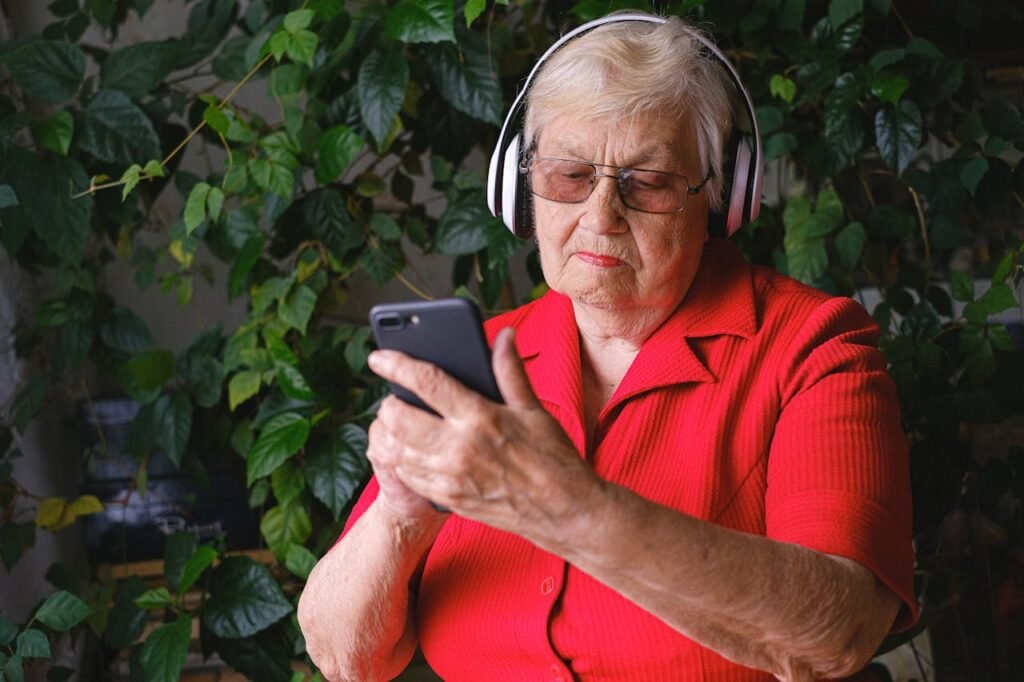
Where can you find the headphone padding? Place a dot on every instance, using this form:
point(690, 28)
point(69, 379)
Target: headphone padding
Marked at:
point(738, 189)
point(510, 185)
point(494, 181)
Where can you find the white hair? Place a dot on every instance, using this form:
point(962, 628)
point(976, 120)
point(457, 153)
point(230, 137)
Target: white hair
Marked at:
point(629, 69)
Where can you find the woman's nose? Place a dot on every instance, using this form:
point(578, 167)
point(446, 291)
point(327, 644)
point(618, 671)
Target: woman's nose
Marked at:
point(604, 211)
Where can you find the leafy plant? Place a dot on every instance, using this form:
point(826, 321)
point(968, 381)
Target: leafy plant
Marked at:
point(904, 176)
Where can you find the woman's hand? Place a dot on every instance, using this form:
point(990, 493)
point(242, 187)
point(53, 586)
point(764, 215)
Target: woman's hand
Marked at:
point(509, 466)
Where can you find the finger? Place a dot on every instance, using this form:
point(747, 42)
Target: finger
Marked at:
point(510, 373)
point(409, 425)
point(435, 387)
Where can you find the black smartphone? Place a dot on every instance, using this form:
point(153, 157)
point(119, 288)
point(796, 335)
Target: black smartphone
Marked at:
point(447, 332)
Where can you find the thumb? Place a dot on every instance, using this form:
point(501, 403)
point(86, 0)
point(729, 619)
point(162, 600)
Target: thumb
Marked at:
point(509, 372)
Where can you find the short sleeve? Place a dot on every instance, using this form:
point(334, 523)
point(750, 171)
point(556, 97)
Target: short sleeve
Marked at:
point(838, 469)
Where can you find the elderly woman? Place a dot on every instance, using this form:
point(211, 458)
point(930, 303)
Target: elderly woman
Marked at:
point(698, 471)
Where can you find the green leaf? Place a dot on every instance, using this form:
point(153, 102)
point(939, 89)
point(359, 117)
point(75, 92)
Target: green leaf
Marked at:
point(297, 308)
point(841, 11)
point(55, 133)
point(298, 20)
point(274, 289)
point(126, 620)
point(962, 286)
point(327, 216)
point(273, 177)
point(336, 466)
point(898, 134)
point(283, 526)
point(291, 381)
point(216, 119)
point(922, 47)
point(48, 71)
point(33, 644)
point(126, 333)
point(467, 78)
point(888, 86)
point(138, 69)
point(199, 561)
point(44, 188)
point(172, 418)
point(7, 197)
point(243, 386)
point(156, 598)
point(972, 172)
point(383, 80)
point(13, 670)
point(280, 439)
point(8, 631)
point(338, 147)
point(278, 44)
point(998, 298)
point(195, 207)
point(62, 611)
point(115, 130)
point(130, 178)
point(302, 47)
point(15, 538)
point(243, 263)
point(154, 169)
point(178, 549)
point(884, 58)
point(287, 482)
point(807, 260)
point(152, 369)
point(782, 87)
point(164, 651)
point(300, 561)
point(385, 227)
point(214, 203)
point(849, 245)
point(381, 262)
point(473, 9)
point(1005, 266)
point(244, 599)
point(461, 229)
point(421, 21)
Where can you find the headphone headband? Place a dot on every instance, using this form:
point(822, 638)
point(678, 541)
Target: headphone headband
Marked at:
point(506, 199)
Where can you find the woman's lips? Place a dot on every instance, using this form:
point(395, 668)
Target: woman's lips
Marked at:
point(597, 259)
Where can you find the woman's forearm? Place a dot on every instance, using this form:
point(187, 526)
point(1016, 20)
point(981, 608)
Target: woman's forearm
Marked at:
point(758, 602)
point(356, 609)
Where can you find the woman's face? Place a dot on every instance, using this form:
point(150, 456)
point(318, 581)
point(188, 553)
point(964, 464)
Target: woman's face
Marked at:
point(603, 254)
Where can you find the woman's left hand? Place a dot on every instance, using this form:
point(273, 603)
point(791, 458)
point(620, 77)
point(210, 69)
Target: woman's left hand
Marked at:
point(509, 466)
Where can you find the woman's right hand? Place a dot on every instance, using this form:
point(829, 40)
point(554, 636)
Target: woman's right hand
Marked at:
point(396, 497)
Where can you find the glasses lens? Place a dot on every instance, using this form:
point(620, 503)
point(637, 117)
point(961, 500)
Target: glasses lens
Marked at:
point(652, 191)
point(560, 180)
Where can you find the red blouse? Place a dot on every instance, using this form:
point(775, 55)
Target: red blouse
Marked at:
point(761, 405)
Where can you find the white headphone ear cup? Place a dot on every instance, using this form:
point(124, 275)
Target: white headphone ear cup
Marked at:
point(493, 182)
point(737, 209)
point(510, 189)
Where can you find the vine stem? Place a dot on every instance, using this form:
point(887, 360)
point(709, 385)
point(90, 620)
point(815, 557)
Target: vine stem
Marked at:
point(903, 22)
point(413, 288)
point(924, 233)
point(234, 91)
point(192, 133)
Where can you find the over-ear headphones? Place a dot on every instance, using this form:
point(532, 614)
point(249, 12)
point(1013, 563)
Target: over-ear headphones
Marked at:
point(508, 197)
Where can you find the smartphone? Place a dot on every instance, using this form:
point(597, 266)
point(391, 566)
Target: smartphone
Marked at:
point(447, 332)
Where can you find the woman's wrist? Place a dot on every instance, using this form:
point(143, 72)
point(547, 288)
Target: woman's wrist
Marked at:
point(413, 530)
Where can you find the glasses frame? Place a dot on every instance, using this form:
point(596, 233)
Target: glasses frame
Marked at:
point(526, 168)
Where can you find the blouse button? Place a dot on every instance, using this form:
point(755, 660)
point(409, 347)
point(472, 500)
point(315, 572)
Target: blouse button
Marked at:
point(556, 673)
point(547, 585)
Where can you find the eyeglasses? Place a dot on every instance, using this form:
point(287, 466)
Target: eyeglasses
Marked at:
point(572, 182)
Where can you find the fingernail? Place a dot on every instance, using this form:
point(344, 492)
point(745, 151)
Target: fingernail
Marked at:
point(375, 361)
